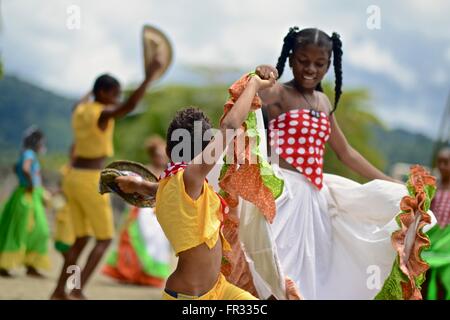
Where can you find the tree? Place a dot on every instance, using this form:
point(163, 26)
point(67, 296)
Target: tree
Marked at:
point(357, 122)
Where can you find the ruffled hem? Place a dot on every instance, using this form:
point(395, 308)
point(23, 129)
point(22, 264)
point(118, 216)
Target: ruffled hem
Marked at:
point(408, 272)
point(130, 262)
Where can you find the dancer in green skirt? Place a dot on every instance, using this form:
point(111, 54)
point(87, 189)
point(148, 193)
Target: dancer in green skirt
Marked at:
point(23, 225)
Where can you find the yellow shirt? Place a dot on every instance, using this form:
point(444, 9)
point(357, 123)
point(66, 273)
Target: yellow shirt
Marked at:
point(188, 223)
point(90, 140)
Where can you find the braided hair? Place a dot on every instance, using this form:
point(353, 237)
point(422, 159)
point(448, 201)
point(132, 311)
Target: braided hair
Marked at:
point(296, 38)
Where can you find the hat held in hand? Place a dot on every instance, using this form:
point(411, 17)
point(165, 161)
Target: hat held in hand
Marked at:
point(156, 44)
point(116, 169)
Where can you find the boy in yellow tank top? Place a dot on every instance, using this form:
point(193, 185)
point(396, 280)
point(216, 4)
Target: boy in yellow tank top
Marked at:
point(188, 210)
point(91, 213)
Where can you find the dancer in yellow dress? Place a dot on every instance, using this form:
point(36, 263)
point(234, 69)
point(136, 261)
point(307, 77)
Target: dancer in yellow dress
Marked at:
point(93, 126)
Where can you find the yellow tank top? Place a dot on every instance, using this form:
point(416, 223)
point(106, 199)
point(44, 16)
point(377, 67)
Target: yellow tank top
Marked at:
point(188, 223)
point(90, 140)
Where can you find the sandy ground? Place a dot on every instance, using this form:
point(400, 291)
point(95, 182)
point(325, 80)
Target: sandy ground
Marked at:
point(100, 287)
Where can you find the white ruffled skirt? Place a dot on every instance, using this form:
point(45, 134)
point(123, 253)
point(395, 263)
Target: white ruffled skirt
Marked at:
point(336, 243)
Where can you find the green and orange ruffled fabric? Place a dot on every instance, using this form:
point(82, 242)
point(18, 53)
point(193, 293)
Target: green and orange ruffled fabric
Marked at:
point(409, 268)
point(252, 178)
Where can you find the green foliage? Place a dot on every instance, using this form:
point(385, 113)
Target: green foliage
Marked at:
point(158, 108)
point(355, 122)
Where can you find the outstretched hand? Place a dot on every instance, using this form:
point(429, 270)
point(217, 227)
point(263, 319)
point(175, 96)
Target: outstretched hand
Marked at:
point(153, 68)
point(129, 184)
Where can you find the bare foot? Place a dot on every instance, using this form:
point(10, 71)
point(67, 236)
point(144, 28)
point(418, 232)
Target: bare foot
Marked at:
point(59, 296)
point(5, 273)
point(292, 292)
point(77, 295)
point(32, 272)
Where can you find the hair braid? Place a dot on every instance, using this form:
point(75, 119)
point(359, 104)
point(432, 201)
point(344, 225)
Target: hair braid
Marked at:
point(337, 64)
point(288, 45)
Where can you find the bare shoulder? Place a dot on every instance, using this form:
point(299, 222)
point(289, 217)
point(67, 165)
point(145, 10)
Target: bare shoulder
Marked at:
point(324, 102)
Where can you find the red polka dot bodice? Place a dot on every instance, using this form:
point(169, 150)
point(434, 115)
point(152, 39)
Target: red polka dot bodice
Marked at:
point(299, 137)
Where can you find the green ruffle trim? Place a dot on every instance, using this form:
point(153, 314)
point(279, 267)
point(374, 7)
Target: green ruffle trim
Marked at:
point(392, 288)
point(270, 180)
point(149, 265)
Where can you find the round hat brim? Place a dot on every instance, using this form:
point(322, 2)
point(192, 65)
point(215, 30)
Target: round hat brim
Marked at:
point(155, 43)
point(122, 168)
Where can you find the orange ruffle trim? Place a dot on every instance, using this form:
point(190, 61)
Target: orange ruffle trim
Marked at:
point(245, 180)
point(413, 215)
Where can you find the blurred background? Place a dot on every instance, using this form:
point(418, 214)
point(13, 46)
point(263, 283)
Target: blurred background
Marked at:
point(396, 70)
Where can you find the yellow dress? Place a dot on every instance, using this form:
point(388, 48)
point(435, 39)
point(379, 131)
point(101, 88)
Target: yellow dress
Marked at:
point(91, 212)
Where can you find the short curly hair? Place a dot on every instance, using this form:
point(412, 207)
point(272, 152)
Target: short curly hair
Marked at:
point(187, 123)
point(105, 82)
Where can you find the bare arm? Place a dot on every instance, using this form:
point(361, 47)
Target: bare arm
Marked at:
point(26, 168)
point(131, 185)
point(133, 99)
point(350, 157)
point(196, 172)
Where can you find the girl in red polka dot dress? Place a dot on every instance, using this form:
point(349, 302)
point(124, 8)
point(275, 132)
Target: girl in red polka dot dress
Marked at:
point(332, 235)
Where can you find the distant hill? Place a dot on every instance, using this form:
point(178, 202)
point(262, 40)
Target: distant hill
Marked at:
point(399, 145)
point(23, 104)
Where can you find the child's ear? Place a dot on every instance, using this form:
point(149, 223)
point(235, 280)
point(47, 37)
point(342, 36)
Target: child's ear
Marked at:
point(290, 61)
point(329, 64)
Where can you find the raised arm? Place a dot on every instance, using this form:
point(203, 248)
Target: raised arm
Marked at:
point(133, 99)
point(196, 172)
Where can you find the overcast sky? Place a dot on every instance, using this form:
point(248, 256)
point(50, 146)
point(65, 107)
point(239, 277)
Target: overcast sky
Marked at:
point(410, 54)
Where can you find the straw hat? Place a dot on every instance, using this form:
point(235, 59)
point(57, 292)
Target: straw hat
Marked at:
point(126, 168)
point(155, 43)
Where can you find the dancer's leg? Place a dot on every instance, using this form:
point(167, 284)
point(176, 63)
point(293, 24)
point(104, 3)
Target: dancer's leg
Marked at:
point(72, 257)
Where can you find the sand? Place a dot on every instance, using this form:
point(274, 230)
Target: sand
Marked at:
point(100, 287)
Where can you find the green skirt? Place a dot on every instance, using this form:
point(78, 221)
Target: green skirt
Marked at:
point(438, 257)
point(142, 254)
point(24, 232)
